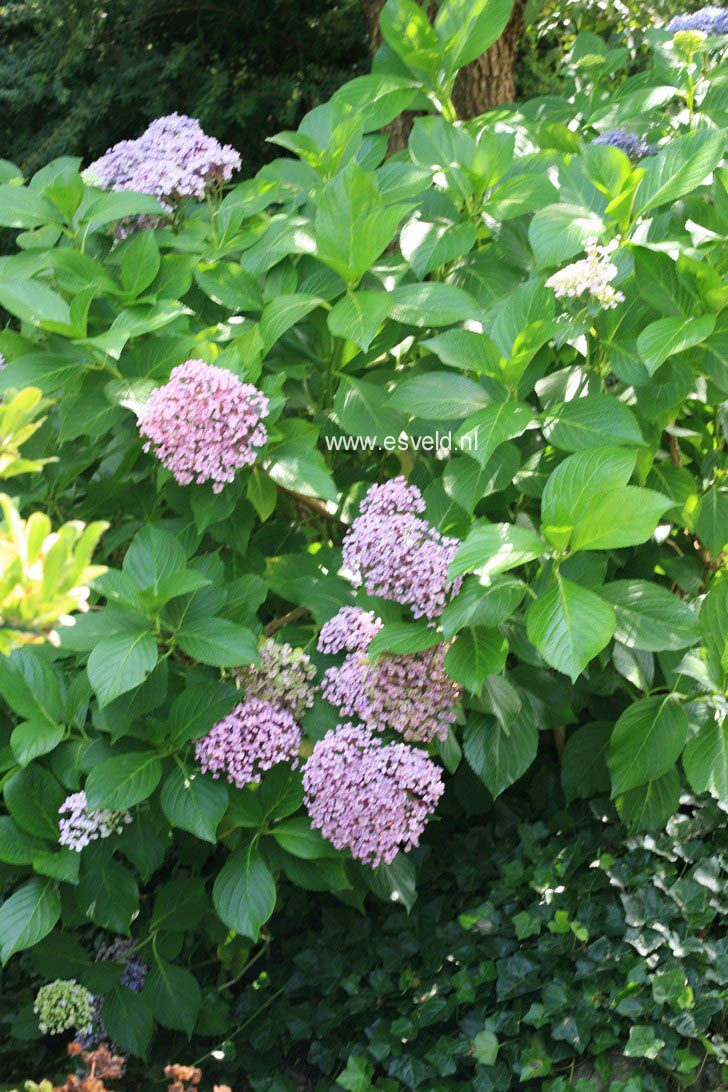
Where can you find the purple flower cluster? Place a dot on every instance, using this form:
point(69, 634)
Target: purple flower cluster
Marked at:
point(172, 159)
point(371, 798)
point(709, 20)
point(352, 629)
point(397, 555)
point(283, 678)
point(629, 143)
point(204, 424)
point(251, 739)
point(82, 827)
point(410, 694)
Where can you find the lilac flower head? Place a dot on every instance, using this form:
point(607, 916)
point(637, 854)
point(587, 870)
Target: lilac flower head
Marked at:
point(397, 555)
point(352, 629)
point(204, 424)
point(709, 20)
point(172, 159)
point(283, 678)
point(371, 798)
point(629, 143)
point(82, 827)
point(589, 276)
point(392, 498)
point(251, 739)
point(410, 694)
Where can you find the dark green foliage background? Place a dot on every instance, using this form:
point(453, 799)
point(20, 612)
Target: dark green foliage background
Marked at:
point(75, 77)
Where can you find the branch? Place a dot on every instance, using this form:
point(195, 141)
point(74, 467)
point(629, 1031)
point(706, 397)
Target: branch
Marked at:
point(285, 620)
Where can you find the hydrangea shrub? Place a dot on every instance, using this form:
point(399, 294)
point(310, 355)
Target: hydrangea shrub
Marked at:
point(409, 467)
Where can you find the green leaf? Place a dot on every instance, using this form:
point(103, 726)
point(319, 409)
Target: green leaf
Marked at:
point(122, 781)
point(362, 409)
point(558, 232)
point(646, 742)
point(140, 262)
point(108, 896)
point(21, 208)
point(179, 905)
point(428, 246)
point(439, 396)
point(194, 803)
point(623, 517)
point(678, 168)
point(245, 892)
point(119, 205)
point(479, 604)
point(574, 485)
point(650, 617)
point(569, 625)
point(282, 313)
point(32, 302)
point(31, 739)
point(667, 336)
point(28, 916)
point(403, 638)
point(711, 520)
point(228, 284)
point(494, 548)
point(33, 797)
point(475, 653)
point(353, 224)
point(487, 429)
point(358, 316)
point(584, 770)
point(16, 847)
point(174, 996)
point(297, 837)
point(262, 493)
point(485, 1047)
point(597, 420)
point(499, 756)
point(433, 304)
point(409, 33)
point(218, 641)
point(649, 806)
point(395, 882)
point(469, 27)
point(128, 1020)
point(121, 663)
point(197, 708)
point(378, 98)
point(465, 350)
point(705, 759)
point(153, 557)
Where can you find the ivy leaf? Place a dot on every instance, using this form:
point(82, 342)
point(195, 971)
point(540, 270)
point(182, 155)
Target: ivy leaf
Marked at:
point(244, 893)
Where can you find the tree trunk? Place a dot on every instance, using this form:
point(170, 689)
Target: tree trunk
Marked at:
point(487, 82)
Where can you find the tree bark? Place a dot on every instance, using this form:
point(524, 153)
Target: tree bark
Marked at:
point(487, 82)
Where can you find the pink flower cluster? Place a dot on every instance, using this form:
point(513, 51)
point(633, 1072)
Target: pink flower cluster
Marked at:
point(204, 424)
point(371, 798)
point(410, 694)
point(397, 555)
point(83, 827)
point(250, 740)
point(282, 678)
point(172, 159)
